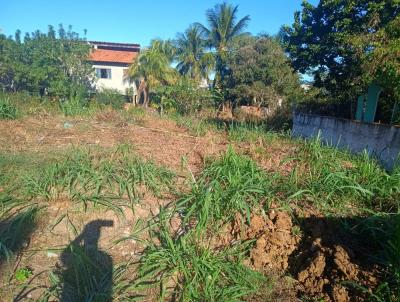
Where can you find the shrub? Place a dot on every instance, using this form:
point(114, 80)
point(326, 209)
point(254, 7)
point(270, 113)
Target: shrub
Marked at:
point(110, 97)
point(184, 97)
point(7, 109)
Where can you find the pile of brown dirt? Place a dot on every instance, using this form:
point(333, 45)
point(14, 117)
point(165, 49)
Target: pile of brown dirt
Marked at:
point(313, 250)
point(329, 257)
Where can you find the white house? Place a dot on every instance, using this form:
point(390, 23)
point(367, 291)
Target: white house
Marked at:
point(111, 62)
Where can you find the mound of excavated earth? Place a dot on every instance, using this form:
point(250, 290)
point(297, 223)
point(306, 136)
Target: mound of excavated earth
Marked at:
point(313, 250)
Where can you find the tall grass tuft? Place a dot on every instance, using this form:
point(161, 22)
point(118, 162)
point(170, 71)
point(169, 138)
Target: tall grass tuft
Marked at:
point(107, 181)
point(17, 222)
point(332, 178)
point(8, 111)
point(186, 270)
point(230, 185)
point(88, 278)
point(74, 106)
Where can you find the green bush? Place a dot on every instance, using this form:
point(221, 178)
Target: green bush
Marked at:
point(185, 97)
point(7, 109)
point(110, 97)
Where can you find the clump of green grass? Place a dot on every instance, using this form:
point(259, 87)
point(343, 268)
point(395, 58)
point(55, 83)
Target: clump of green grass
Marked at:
point(87, 178)
point(196, 126)
point(8, 110)
point(88, 277)
point(186, 270)
point(332, 178)
point(244, 132)
point(230, 185)
point(74, 106)
point(17, 222)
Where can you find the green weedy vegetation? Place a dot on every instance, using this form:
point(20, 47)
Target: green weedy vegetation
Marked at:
point(8, 111)
point(191, 270)
point(88, 280)
point(74, 106)
point(17, 221)
point(90, 179)
point(331, 178)
point(230, 185)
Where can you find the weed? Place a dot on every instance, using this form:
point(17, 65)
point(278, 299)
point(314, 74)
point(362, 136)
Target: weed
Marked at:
point(233, 184)
point(332, 179)
point(86, 179)
point(188, 270)
point(244, 132)
point(23, 274)
point(7, 109)
point(89, 278)
point(110, 97)
point(74, 106)
point(17, 222)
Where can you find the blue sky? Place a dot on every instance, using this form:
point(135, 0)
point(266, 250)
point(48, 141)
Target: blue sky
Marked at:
point(135, 21)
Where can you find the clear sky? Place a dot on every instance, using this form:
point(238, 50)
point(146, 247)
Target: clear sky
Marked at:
point(135, 21)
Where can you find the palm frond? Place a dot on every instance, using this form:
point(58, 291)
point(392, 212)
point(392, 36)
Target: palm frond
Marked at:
point(240, 26)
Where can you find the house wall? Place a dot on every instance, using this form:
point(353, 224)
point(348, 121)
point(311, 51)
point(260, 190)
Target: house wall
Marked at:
point(382, 141)
point(117, 80)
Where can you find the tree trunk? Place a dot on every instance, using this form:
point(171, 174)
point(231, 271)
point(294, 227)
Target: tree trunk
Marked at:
point(146, 98)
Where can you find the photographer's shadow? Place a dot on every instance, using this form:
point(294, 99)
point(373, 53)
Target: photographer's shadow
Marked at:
point(86, 272)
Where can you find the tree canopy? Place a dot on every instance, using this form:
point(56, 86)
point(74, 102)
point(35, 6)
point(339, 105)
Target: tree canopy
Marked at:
point(153, 67)
point(191, 55)
point(321, 42)
point(223, 27)
point(260, 73)
point(53, 62)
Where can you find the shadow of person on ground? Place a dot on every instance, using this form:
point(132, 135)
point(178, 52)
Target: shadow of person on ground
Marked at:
point(15, 232)
point(86, 273)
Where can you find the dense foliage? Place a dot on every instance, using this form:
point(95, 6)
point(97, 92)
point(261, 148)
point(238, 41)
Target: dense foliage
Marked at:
point(184, 97)
point(222, 29)
point(45, 63)
point(260, 74)
point(321, 43)
point(191, 55)
point(152, 68)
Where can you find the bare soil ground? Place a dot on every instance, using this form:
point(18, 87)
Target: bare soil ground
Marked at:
point(158, 139)
point(304, 245)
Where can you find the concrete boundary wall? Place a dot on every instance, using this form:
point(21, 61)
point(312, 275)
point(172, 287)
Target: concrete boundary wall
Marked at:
point(381, 141)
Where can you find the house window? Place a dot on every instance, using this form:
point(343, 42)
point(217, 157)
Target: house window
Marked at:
point(103, 73)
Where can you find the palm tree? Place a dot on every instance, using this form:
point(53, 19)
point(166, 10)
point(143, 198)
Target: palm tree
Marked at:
point(153, 67)
point(192, 58)
point(223, 27)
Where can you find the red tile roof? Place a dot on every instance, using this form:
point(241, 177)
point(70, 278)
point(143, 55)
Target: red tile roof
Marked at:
point(115, 56)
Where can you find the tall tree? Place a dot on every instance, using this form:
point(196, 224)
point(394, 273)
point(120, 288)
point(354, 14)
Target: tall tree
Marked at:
point(223, 27)
point(193, 60)
point(46, 63)
point(318, 42)
point(260, 74)
point(152, 68)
